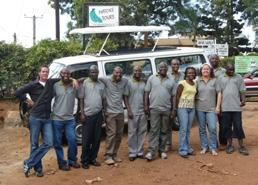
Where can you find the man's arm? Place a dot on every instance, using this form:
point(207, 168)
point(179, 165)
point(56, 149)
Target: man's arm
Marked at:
point(129, 110)
point(146, 103)
point(82, 115)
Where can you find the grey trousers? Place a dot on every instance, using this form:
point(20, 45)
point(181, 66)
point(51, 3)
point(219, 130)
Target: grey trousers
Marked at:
point(169, 134)
point(137, 128)
point(114, 132)
point(159, 125)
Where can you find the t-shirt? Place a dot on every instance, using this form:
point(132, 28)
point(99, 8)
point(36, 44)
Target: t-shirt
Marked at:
point(161, 90)
point(231, 87)
point(64, 102)
point(188, 95)
point(207, 94)
point(135, 92)
point(219, 72)
point(114, 94)
point(92, 93)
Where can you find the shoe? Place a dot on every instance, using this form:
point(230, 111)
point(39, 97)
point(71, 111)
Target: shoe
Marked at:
point(214, 152)
point(26, 169)
point(64, 167)
point(140, 156)
point(191, 153)
point(132, 158)
point(117, 159)
point(184, 156)
point(39, 174)
point(75, 165)
point(163, 155)
point(149, 156)
point(203, 151)
point(85, 166)
point(230, 149)
point(109, 161)
point(95, 163)
point(242, 150)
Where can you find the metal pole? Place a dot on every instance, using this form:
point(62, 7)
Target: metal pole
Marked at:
point(34, 29)
point(57, 20)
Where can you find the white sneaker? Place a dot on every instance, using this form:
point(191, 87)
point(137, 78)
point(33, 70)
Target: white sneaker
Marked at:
point(203, 151)
point(163, 155)
point(149, 156)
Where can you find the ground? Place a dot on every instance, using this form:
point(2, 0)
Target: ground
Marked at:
point(224, 169)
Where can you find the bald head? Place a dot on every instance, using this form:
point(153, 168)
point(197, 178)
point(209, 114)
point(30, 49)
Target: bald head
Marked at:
point(65, 75)
point(137, 72)
point(163, 69)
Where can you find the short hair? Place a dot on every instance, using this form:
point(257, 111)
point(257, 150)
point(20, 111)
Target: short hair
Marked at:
point(94, 67)
point(117, 67)
point(163, 63)
point(189, 68)
point(175, 59)
point(211, 70)
point(213, 55)
point(42, 66)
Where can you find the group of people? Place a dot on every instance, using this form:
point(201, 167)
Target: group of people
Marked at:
point(218, 94)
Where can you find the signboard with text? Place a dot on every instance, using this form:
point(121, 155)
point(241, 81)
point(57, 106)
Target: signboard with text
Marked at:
point(103, 15)
point(222, 50)
point(245, 64)
point(203, 42)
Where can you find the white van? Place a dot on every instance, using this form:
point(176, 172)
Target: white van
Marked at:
point(147, 58)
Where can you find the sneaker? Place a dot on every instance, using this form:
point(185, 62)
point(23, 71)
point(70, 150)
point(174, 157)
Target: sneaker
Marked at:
point(75, 165)
point(131, 158)
point(109, 161)
point(117, 159)
point(64, 167)
point(214, 152)
point(149, 156)
point(230, 149)
point(39, 174)
point(26, 169)
point(95, 163)
point(203, 151)
point(163, 155)
point(242, 150)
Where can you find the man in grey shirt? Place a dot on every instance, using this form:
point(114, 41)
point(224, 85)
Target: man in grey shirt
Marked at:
point(218, 72)
point(115, 88)
point(63, 120)
point(232, 88)
point(92, 101)
point(177, 76)
point(158, 103)
point(137, 123)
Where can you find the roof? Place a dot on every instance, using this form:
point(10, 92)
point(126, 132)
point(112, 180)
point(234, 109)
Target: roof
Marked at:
point(118, 29)
point(126, 56)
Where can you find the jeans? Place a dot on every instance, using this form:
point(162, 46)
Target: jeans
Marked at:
point(209, 119)
point(68, 128)
point(91, 134)
point(37, 126)
point(185, 118)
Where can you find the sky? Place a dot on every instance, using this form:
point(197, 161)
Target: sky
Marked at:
point(12, 13)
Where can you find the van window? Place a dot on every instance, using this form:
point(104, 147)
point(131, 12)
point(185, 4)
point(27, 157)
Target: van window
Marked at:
point(185, 61)
point(54, 70)
point(81, 70)
point(128, 66)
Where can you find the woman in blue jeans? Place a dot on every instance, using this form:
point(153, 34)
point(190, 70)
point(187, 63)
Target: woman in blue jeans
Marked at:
point(207, 105)
point(185, 99)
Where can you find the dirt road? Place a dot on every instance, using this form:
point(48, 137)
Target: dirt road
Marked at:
point(223, 169)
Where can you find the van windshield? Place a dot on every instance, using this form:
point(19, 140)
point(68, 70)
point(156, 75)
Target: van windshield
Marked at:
point(185, 61)
point(54, 70)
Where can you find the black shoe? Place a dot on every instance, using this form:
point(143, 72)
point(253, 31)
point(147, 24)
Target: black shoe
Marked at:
point(230, 149)
point(95, 163)
point(132, 158)
point(184, 156)
point(85, 166)
point(39, 174)
point(64, 167)
point(75, 165)
point(26, 169)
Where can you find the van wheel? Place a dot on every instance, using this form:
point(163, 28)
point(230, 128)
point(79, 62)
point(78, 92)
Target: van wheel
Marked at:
point(24, 113)
point(175, 125)
point(78, 133)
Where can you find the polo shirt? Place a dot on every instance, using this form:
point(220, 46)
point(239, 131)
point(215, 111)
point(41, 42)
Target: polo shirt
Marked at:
point(161, 90)
point(219, 71)
point(231, 87)
point(207, 94)
point(92, 94)
point(63, 102)
point(114, 94)
point(135, 93)
point(177, 77)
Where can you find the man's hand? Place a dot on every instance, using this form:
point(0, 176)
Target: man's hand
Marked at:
point(242, 103)
point(146, 110)
point(83, 118)
point(173, 114)
point(130, 114)
point(217, 110)
point(30, 102)
point(75, 84)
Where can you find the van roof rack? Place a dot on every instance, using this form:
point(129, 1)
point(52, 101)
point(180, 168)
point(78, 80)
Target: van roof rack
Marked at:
point(116, 29)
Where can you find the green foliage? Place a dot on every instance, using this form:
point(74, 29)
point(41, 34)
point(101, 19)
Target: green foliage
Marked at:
point(97, 43)
point(225, 60)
